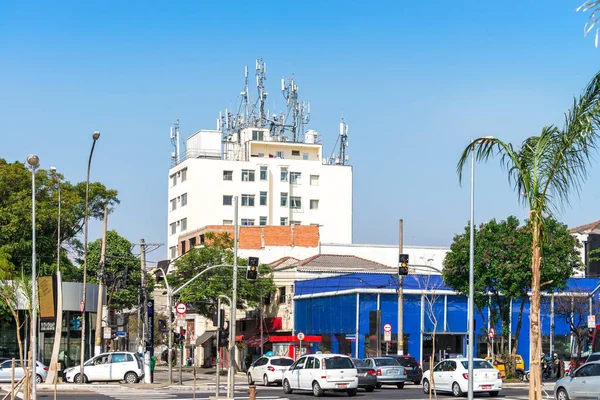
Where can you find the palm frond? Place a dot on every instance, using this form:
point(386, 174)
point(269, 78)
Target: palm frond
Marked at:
point(592, 19)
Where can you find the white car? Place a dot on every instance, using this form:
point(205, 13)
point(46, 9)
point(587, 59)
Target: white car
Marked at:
point(6, 371)
point(452, 375)
point(117, 366)
point(268, 370)
point(320, 373)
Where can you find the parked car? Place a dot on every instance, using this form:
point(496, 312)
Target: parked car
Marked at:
point(414, 373)
point(117, 366)
point(320, 373)
point(268, 370)
point(593, 357)
point(584, 383)
point(519, 366)
point(41, 371)
point(388, 371)
point(453, 375)
point(367, 377)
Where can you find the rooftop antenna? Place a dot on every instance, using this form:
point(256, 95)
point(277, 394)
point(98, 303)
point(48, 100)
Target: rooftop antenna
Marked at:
point(261, 76)
point(246, 98)
point(175, 142)
point(341, 158)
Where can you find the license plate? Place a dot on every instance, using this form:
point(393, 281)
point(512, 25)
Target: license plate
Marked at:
point(486, 386)
point(342, 385)
point(392, 372)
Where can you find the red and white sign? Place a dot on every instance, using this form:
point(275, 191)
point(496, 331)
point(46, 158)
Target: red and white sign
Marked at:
point(81, 306)
point(492, 333)
point(387, 328)
point(181, 308)
point(300, 336)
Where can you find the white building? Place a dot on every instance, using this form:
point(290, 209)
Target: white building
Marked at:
point(277, 182)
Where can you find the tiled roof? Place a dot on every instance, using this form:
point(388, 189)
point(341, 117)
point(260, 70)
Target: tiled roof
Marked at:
point(592, 227)
point(340, 263)
point(284, 262)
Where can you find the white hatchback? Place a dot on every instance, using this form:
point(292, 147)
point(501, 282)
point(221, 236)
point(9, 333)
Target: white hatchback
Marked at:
point(268, 370)
point(117, 366)
point(320, 373)
point(452, 375)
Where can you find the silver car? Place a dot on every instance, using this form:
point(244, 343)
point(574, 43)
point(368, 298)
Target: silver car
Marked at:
point(388, 371)
point(584, 383)
point(41, 371)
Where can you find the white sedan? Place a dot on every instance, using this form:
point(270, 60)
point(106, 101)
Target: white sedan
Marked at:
point(452, 376)
point(268, 370)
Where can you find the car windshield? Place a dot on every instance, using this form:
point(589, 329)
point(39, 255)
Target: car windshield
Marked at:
point(477, 364)
point(284, 362)
point(338, 363)
point(407, 361)
point(593, 357)
point(385, 362)
point(360, 363)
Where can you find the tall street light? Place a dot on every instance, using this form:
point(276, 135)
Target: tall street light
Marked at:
point(34, 163)
point(95, 136)
point(59, 305)
point(471, 282)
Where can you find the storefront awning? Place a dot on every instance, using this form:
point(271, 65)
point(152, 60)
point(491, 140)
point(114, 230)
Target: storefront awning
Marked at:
point(254, 341)
point(205, 337)
point(239, 338)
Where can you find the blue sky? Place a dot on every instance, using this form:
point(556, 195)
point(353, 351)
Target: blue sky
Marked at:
point(414, 80)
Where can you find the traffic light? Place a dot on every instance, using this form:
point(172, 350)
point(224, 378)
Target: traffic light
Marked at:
point(222, 338)
point(216, 320)
point(176, 338)
point(182, 332)
point(162, 325)
point(252, 271)
point(403, 264)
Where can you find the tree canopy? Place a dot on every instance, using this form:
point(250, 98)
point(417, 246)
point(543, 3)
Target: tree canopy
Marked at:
point(203, 293)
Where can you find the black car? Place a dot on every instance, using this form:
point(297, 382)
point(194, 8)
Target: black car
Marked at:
point(414, 373)
point(367, 378)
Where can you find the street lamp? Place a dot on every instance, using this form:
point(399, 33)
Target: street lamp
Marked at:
point(34, 163)
point(95, 136)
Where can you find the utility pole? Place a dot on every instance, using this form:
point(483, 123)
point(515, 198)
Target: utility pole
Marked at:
point(143, 291)
point(232, 319)
point(400, 296)
point(99, 330)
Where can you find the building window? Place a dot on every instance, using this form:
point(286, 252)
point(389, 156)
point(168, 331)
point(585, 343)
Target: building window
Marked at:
point(295, 223)
point(295, 152)
point(183, 199)
point(173, 251)
point(247, 222)
point(183, 247)
point(263, 198)
point(282, 295)
point(263, 173)
point(263, 221)
point(279, 154)
point(258, 135)
point(183, 226)
point(173, 180)
point(227, 175)
point(284, 199)
point(295, 177)
point(247, 175)
point(283, 221)
point(305, 156)
point(184, 175)
point(314, 180)
point(173, 228)
point(314, 204)
point(247, 200)
point(284, 174)
point(227, 200)
point(192, 243)
point(227, 222)
point(295, 202)
point(173, 204)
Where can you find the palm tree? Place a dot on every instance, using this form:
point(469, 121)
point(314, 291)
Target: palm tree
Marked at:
point(594, 7)
point(544, 171)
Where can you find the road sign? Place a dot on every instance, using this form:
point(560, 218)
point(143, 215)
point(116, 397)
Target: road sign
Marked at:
point(300, 336)
point(387, 328)
point(107, 333)
point(120, 333)
point(181, 308)
point(387, 336)
point(591, 321)
point(181, 323)
point(492, 333)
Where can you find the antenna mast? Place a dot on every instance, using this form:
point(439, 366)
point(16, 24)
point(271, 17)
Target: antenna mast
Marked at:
point(300, 111)
point(175, 142)
point(261, 76)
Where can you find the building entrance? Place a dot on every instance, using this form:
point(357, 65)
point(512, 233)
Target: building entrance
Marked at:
point(447, 345)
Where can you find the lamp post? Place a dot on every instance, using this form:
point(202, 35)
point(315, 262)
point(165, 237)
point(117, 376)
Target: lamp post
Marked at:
point(59, 306)
point(34, 163)
point(95, 136)
point(471, 282)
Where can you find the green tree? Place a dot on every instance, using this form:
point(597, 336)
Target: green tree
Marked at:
point(203, 292)
point(122, 271)
point(502, 269)
point(544, 171)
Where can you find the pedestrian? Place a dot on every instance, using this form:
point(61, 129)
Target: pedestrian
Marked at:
point(556, 364)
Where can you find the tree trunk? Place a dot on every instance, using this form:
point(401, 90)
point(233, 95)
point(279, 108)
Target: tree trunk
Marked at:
point(515, 343)
point(52, 372)
point(535, 383)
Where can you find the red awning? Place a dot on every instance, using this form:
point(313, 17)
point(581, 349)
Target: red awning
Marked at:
point(307, 338)
point(239, 338)
point(254, 341)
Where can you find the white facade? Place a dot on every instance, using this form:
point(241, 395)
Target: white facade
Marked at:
point(277, 183)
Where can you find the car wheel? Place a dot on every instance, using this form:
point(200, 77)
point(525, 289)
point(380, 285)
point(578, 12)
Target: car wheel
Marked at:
point(250, 380)
point(520, 375)
point(287, 389)
point(400, 385)
point(351, 392)
point(38, 378)
point(266, 380)
point(425, 386)
point(379, 385)
point(131, 377)
point(562, 394)
point(77, 379)
point(456, 391)
point(317, 391)
point(370, 388)
point(527, 376)
point(417, 382)
point(494, 393)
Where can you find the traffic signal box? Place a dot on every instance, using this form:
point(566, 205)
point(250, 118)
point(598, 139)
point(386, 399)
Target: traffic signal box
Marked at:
point(252, 271)
point(403, 264)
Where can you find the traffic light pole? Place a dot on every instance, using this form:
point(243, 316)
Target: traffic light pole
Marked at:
point(219, 322)
point(232, 318)
point(400, 340)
